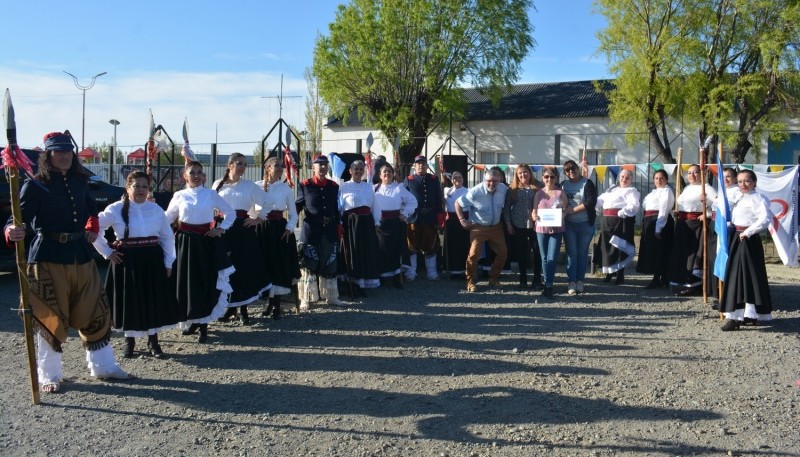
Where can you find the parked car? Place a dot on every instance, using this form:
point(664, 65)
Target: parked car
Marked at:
point(102, 192)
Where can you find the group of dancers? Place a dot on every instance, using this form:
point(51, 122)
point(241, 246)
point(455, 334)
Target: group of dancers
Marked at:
point(217, 249)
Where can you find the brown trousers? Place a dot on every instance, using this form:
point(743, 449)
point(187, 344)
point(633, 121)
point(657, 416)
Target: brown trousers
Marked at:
point(493, 236)
point(64, 296)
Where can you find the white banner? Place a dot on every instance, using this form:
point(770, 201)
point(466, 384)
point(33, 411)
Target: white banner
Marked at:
point(781, 190)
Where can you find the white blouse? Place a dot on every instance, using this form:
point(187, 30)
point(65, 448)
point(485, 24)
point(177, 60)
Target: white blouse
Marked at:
point(280, 197)
point(242, 194)
point(196, 205)
point(451, 194)
point(144, 220)
point(395, 197)
point(661, 200)
point(353, 194)
point(624, 198)
point(689, 199)
point(751, 211)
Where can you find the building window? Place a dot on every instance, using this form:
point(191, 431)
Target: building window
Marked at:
point(600, 156)
point(494, 157)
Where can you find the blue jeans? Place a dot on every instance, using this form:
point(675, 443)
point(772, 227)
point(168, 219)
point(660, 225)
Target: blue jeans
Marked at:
point(578, 237)
point(549, 246)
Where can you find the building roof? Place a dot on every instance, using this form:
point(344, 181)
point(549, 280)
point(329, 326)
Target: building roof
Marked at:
point(528, 101)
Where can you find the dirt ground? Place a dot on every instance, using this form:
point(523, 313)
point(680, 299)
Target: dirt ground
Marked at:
point(432, 370)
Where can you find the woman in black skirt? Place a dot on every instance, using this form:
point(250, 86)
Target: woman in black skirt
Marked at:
point(619, 205)
point(745, 292)
point(396, 205)
point(250, 279)
point(276, 236)
point(456, 237)
point(524, 247)
point(202, 269)
point(360, 216)
point(141, 295)
point(686, 259)
point(657, 227)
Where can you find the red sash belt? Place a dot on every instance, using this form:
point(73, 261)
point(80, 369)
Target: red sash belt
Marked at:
point(649, 213)
point(136, 242)
point(683, 215)
point(739, 228)
point(361, 211)
point(198, 229)
point(275, 215)
point(241, 214)
point(611, 212)
point(394, 214)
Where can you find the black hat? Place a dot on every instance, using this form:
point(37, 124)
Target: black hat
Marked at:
point(321, 159)
point(57, 141)
point(420, 158)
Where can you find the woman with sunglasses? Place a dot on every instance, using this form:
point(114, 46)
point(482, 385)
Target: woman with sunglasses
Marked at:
point(657, 228)
point(686, 261)
point(619, 204)
point(549, 237)
point(579, 225)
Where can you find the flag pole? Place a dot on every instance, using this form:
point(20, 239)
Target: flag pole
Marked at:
point(678, 178)
point(702, 156)
point(12, 173)
point(721, 152)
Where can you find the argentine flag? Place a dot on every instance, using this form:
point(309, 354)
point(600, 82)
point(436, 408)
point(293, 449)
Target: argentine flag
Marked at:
point(721, 224)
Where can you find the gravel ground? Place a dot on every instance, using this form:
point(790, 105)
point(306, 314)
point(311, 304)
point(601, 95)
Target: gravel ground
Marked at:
point(435, 371)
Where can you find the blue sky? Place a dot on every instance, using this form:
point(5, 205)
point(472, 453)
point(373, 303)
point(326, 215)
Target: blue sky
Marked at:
point(210, 61)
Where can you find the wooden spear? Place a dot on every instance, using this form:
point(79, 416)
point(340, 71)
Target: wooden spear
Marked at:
point(678, 179)
point(12, 173)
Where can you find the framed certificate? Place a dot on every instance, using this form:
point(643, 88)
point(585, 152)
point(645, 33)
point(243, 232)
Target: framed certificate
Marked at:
point(552, 217)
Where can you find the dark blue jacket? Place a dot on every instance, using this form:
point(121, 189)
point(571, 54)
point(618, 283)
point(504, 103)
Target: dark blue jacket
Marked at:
point(428, 192)
point(321, 207)
point(64, 209)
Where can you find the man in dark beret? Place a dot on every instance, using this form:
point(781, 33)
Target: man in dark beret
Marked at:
point(65, 287)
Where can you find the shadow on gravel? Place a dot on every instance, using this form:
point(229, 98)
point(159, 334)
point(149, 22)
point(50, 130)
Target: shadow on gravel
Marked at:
point(457, 415)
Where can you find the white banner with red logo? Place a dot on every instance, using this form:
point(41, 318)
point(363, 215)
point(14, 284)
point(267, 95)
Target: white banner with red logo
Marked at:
point(781, 190)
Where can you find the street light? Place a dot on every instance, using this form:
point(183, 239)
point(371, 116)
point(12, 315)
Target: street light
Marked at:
point(84, 89)
point(115, 123)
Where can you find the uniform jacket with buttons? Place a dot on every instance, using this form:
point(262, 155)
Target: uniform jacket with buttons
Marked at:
point(428, 192)
point(64, 207)
point(321, 210)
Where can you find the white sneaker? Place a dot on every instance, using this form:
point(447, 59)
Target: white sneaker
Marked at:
point(579, 287)
point(571, 289)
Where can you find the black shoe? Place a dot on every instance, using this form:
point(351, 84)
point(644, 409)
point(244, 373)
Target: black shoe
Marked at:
point(268, 311)
point(523, 282)
point(620, 278)
point(244, 318)
point(536, 284)
point(276, 307)
point(203, 333)
point(397, 282)
point(715, 306)
point(750, 320)
point(547, 292)
point(229, 313)
point(191, 330)
point(689, 292)
point(155, 348)
point(608, 277)
point(730, 324)
point(654, 284)
point(127, 350)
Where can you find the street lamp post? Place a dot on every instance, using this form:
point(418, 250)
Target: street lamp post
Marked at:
point(111, 156)
point(84, 89)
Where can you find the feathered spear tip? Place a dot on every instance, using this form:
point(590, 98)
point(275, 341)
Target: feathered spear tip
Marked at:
point(187, 153)
point(17, 159)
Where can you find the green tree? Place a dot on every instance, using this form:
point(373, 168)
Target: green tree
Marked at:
point(399, 63)
point(725, 67)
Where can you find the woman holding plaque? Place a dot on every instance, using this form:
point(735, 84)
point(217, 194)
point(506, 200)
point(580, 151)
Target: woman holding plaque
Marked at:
point(620, 205)
point(549, 224)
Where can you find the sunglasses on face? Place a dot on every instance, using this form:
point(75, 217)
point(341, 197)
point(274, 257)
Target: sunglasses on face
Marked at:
point(548, 177)
point(570, 169)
